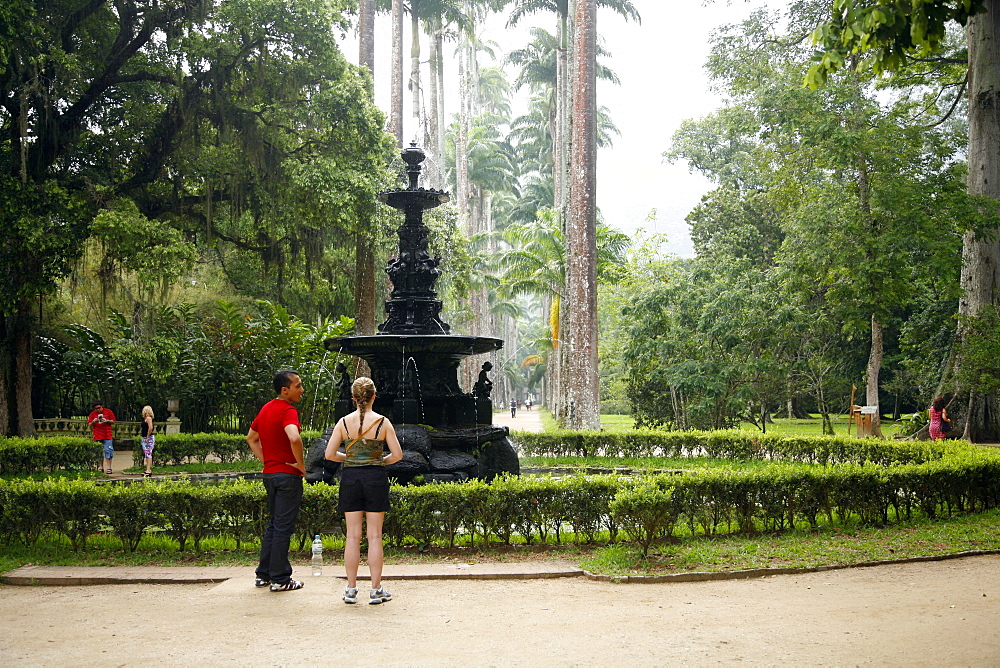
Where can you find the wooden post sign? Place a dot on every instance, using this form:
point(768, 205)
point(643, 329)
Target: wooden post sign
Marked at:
point(864, 418)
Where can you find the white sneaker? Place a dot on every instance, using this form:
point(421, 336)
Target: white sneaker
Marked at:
point(379, 595)
point(350, 594)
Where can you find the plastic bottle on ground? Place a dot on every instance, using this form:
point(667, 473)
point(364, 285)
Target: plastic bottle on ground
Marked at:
point(317, 555)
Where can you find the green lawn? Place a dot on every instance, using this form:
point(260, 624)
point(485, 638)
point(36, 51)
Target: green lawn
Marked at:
point(783, 426)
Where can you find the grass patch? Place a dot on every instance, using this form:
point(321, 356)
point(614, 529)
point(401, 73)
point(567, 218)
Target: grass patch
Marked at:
point(646, 463)
point(801, 548)
point(617, 422)
point(208, 467)
point(812, 426)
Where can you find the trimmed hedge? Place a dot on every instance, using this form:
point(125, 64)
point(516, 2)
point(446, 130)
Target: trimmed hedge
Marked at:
point(21, 456)
point(738, 445)
point(778, 496)
point(24, 456)
point(834, 480)
point(174, 449)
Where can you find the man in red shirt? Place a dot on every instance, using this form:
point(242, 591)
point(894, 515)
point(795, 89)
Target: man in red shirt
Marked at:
point(102, 424)
point(275, 439)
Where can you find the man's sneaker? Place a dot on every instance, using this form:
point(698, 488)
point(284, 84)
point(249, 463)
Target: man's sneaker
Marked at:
point(379, 595)
point(291, 585)
point(350, 594)
point(261, 582)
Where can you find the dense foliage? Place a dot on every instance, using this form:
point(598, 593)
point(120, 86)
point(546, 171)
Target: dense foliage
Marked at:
point(217, 360)
point(828, 256)
point(152, 135)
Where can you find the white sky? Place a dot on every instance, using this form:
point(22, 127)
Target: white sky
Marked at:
point(660, 65)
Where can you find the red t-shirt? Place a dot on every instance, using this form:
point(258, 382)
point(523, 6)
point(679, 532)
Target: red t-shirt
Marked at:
point(102, 430)
point(270, 423)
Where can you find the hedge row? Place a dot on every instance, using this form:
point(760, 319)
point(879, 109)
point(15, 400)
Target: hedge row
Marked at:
point(174, 449)
point(738, 445)
point(24, 456)
point(531, 509)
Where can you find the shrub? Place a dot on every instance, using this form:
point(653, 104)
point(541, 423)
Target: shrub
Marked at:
point(645, 510)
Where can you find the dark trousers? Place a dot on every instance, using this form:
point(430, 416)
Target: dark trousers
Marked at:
point(284, 497)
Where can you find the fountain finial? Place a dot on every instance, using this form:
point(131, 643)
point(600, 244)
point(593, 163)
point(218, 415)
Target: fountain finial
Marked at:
point(413, 156)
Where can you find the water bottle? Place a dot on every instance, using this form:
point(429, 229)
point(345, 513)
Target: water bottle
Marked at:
point(317, 555)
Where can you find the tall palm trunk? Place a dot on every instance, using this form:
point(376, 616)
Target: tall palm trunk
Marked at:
point(418, 130)
point(981, 253)
point(364, 256)
point(396, 94)
point(439, 100)
point(434, 128)
point(581, 261)
point(366, 35)
point(561, 135)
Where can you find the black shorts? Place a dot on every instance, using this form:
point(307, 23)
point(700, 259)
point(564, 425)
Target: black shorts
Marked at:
point(364, 488)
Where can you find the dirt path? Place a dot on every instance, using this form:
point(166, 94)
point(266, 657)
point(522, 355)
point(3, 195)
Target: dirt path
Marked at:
point(927, 614)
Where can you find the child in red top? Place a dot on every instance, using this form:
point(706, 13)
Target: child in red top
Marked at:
point(102, 423)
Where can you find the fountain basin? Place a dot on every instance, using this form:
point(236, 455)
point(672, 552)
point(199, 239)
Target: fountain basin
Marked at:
point(417, 376)
point(389, 346)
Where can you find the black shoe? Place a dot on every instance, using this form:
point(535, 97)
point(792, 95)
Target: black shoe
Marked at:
point(291, 585)
point(261, 582)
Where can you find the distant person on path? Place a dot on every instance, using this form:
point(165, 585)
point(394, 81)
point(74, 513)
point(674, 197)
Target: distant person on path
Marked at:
point(102, 424)
point(276, 440)
point(938, 415)
point(364, 484)
point(148, 439)
point(513, 407)
point(527, 404)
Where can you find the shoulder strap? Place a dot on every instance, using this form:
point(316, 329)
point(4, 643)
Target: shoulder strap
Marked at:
point(378, 422)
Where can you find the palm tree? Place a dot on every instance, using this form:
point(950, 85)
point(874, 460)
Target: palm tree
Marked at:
point(364, 255)
point(534, 262)
point(581, 274)
point(564, 46)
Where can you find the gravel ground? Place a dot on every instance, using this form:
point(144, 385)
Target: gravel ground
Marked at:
point(927, 614)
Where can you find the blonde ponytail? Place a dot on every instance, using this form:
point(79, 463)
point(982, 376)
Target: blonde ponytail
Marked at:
point(363, 391)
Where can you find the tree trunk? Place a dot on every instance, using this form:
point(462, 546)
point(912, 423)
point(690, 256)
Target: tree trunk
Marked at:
point(435, 163)
point(439, 104)
point(364, 256)
point(415, 72)
point(981, 255)
point(366, 35)
point(24, 423)
point(871, 376)
point(396, 95)
point(581, 265)
point(561, 137)
point(6, 364)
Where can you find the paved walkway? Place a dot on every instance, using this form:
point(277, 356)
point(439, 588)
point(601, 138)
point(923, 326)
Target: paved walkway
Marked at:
point(929, 614)
point(524, 420)
point(102, 575)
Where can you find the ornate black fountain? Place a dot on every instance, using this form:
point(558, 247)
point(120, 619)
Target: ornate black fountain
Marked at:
point(446, 434)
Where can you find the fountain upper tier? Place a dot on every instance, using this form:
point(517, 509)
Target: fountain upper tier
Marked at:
point(414, 358)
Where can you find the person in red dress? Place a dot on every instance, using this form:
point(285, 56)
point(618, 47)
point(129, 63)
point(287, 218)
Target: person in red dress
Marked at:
point(938, 415)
